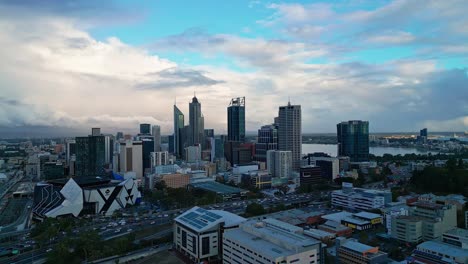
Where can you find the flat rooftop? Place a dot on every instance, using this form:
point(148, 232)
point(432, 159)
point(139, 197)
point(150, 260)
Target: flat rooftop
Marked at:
point(259, 236)
point(337, 217)
point(445, 249)
point(460, 232)
point(217, 187)
point(367, 215)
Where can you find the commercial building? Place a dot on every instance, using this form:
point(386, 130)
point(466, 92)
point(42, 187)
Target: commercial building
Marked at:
point(358, 221)
point(226, 192)
point(193, 153)
point(145, 129)
point(156, 132)
point(279, 163)
point(427, 221)
point(196, 123)
point(178, 127)
point(290, 132)
point(336, 228)
point(198, 233)
point(360, 199)
point(83, 195)
point(70, 149)
point(257, 179)
point(131, 158)
point(236, 119)
point(217, 149)
point(53, 170)
point(159, 158)
point(147, 143)
point(439, 253)
point(457, 237)
point(270, 241)
point(391, 212)
point(267, 140)
point(175, 180)
point(353, 140)
point(350, 251)
point(330, 166)
point(310, 175)
point(91, 154)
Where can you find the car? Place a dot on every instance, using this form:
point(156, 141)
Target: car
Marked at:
point(129, 230)
point(152, 223)
point(48, 250)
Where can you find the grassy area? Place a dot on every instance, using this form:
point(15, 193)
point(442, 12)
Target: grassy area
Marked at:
point(163, 257)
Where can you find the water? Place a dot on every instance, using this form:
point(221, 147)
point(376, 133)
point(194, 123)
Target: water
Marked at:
point(331, 150)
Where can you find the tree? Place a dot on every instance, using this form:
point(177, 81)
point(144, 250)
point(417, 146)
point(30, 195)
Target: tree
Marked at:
point(254, 209)
point(460, 164)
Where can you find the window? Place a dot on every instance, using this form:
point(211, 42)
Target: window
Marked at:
point(205, 245)
point(184, 239)
point(294, 261)
point(178, 230)
point(194, 245)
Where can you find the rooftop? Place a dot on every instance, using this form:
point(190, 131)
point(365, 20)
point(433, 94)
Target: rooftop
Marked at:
point(217, 187)
point(446, 249)
point(367, 215)
point(458, 232)
point(200, 219)
point(271, 237)
point(337, 217)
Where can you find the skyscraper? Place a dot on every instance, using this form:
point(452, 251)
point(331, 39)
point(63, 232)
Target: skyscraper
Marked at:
point(145, 129)
point(196, 123)
point(267, 140)
point(156, 132)
point(290, 132)
point(423, 132)
point(178, 126)
point(91, 154)
point(353, 140)
point(236, 119)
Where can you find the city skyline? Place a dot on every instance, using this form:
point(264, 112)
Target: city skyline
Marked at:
point(66, 68)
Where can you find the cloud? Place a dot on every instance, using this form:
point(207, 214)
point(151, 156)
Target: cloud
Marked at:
point(176, 77)
point(398, 37)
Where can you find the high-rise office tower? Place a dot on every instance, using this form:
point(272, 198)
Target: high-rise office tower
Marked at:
point(196, 123)
point(290, 132)
point(236, 119)
point(145, 129)
point(423, 132)
point(353, 140)
point(91, 155)
point(178, 127)
point(156, 132)
point(267, 140)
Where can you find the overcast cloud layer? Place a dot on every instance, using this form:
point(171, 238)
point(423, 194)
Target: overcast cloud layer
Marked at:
point(55, 73)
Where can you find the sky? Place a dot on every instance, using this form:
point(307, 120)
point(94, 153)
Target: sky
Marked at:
point(67, 66)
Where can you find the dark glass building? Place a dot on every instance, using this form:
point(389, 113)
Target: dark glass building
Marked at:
point(236, 119)
point(423, 132)
point(90, 156)
point(290, 132)
point(145, 129)
point(309, 175)
point(196, 123)
point(147, 148)
point(267, 140)
point(53, 170)
point(179, 139)
point(353, 140)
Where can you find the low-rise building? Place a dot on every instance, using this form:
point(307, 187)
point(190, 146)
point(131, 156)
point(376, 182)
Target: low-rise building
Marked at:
point(270, 241)
point(198, 233)
point(427, 221)
point(438, 252)
point(336, 228)
point(352, 252)
point(358, 221)
point(360, 199)
point(457, 237)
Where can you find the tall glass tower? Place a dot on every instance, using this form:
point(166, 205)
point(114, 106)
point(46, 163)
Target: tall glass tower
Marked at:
point(196, 123)
point(353, 140)
point(178, 126)
point(236, 119)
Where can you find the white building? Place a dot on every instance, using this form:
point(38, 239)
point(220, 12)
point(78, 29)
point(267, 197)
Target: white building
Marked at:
point(438, 252)
point(131, 158)
point(279, 163)
point(159, 158)
point(193, 153)
point(361, 199)
point(198, 233)
point(400, 209)
point(270, 241)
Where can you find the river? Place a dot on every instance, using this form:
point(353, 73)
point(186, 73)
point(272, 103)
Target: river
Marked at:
point(331, 150)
